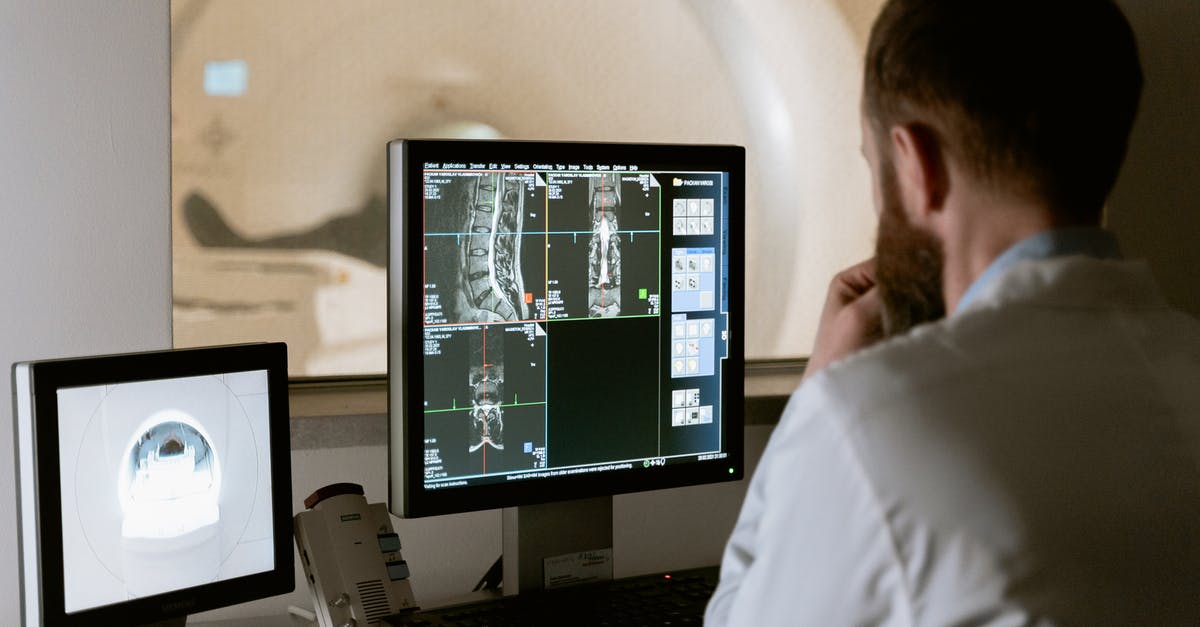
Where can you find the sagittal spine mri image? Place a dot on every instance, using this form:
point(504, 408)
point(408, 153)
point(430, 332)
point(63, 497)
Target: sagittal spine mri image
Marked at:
point(491, 253)
point(479, 250)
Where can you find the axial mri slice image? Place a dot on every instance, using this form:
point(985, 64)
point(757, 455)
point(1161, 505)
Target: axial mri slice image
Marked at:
point(485, 406)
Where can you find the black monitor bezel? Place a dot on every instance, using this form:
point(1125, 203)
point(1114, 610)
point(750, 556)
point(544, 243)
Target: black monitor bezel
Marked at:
point(47, 377)
point(409, 498)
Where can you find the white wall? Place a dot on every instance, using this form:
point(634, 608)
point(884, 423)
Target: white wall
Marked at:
point(84, 193)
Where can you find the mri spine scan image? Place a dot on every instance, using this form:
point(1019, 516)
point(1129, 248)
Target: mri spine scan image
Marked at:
point(486, 379)
point(604, 249)
point(492, 287)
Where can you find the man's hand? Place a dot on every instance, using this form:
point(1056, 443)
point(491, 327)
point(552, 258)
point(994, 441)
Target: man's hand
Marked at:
point(852, 318)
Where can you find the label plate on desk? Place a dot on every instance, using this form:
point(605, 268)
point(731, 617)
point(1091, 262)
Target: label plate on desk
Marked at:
point(576, 568)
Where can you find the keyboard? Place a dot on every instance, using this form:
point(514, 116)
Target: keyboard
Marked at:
point(675, 598)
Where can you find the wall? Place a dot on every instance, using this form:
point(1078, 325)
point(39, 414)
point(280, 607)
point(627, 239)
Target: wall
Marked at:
point(84, 177)
point(1155, 207)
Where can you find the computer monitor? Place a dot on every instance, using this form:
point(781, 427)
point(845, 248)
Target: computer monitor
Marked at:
point(565, 321)
point(152, 485)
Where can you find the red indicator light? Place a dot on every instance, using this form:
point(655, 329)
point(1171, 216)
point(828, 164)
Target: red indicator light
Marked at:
point(666, 576)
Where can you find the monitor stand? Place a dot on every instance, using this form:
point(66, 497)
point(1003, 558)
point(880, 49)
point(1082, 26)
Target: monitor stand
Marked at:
point(533, 533)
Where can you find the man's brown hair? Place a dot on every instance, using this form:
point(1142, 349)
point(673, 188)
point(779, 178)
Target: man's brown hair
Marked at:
point(1036, 96)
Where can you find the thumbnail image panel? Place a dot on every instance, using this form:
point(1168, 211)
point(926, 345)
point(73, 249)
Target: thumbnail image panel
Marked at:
point(484, 386)
point(607, 211)
point(485, 257)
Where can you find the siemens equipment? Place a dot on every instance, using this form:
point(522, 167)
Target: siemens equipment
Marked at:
point(152, 485)
point(565, 324)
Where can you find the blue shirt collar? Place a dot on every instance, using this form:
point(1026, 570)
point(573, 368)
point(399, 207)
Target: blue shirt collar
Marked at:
point(1090, 241)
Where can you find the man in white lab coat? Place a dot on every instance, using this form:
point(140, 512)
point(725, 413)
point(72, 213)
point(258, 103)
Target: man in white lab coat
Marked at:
point(1001, 420)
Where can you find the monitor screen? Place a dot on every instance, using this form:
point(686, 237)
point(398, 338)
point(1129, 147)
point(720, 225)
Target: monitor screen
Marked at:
point(170, 481)
point(565, 320)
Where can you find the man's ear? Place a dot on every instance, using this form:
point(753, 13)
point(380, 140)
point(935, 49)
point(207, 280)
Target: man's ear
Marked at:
point(920, 170)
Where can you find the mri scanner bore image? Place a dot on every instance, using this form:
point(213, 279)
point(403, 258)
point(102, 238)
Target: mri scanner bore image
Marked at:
point(485, 247)
point(170, 479)
point(170, 489)
point(165, 485)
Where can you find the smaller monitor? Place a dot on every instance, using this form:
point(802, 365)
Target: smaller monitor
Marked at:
point(152, 485)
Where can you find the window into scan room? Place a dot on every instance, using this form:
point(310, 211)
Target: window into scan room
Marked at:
point(281, 111)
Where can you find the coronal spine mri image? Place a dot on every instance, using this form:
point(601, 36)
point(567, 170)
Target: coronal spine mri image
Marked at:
point(492, 286)
point(604, 249)
point(602, 244)
point(486, 379)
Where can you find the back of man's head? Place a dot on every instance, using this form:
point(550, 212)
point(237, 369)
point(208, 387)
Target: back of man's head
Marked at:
point(1035, 97)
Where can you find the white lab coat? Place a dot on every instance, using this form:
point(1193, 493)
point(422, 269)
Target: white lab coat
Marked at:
point(1032, 460)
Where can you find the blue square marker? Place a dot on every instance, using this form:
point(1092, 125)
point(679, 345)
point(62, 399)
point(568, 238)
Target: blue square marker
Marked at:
point(529, 447)
point(225, 78)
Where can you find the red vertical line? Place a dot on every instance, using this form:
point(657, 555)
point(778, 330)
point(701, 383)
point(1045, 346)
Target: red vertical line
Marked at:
point(603, 213)
point(483, 329)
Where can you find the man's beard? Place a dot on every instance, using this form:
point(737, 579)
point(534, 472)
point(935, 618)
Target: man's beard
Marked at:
point(908, 264)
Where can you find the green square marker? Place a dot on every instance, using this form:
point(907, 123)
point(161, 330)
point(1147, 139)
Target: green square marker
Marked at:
point(642, 294)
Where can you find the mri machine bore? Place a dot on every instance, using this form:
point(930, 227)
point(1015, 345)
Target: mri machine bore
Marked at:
point(170, 492)
point(296, 146)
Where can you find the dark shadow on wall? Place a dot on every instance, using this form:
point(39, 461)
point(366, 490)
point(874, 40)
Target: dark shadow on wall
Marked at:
point(361, 234)
point(1155, 207)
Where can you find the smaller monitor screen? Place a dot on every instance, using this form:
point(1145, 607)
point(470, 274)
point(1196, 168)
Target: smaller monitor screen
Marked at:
point(165, 485)
point(152, 485)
